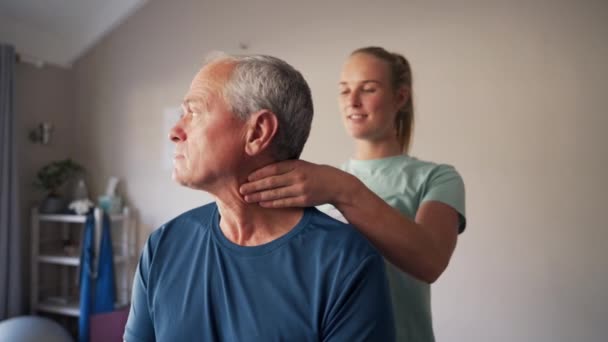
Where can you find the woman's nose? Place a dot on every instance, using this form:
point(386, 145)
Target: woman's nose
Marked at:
point(354, 100)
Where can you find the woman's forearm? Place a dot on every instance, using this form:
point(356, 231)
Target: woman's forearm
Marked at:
point(406, 244)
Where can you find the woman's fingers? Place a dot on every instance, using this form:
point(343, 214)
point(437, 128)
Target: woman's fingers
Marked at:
point(272, 170)
point(289, 202)
point(273, 194)
point(287, 184)
point(264, 184)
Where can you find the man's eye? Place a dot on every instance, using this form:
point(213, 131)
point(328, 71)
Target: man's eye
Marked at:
point(369, 90)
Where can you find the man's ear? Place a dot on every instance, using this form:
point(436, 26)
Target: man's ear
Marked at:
point(262, 127)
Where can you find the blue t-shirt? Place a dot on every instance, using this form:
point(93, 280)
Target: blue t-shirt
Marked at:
point(322, 281)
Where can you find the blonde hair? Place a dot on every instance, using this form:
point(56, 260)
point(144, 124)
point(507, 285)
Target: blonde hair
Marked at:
point(401, 75)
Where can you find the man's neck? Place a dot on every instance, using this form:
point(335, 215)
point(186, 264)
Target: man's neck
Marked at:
point(248, 224)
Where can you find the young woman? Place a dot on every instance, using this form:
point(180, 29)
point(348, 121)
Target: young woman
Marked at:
point(411, 210)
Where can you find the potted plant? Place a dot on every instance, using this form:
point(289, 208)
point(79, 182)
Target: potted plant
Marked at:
point(50, 178)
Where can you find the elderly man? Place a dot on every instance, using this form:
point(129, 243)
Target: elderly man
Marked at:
point(233, 271)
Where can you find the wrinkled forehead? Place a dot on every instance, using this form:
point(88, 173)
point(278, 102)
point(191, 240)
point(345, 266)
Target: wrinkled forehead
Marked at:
point(209, 82)
point(213, 75)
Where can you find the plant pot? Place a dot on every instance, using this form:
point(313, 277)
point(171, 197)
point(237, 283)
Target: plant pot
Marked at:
point(53, 205)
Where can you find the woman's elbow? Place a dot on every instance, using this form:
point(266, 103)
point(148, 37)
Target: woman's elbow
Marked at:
point(429, 277)
point(431, 273)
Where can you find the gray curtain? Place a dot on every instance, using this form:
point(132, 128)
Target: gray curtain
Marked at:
point(11, 286)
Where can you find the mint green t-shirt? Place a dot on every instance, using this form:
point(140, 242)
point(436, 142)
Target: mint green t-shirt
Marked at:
point(405, 183)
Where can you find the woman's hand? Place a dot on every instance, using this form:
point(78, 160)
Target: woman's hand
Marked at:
point(296, 183)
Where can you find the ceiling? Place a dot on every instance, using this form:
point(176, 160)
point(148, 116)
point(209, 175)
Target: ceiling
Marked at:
point(58, 32)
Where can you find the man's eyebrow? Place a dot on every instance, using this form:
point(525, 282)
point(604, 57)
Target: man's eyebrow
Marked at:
point(190, 101)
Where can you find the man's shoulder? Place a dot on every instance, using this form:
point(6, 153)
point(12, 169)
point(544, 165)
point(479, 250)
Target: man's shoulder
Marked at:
point(344, 238)
point(198, 214)
point(196, 219)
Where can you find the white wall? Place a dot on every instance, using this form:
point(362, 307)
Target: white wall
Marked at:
point(513, 94)
point(40, 95)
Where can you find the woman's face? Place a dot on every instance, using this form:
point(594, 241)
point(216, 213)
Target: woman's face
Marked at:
point(368, 102)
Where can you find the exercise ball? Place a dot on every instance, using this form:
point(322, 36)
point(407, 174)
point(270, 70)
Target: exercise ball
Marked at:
point(32, 329)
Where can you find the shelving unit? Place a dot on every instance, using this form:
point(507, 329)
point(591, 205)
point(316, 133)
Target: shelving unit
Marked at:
point(55, 259)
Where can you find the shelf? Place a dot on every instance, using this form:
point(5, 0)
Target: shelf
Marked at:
point(59, 259)
point(72, 218)
point(69, 309)
point(52, 283)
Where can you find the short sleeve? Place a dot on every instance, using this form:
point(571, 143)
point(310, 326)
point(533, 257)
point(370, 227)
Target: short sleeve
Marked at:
point(363, 309)
point(139, 325)
point(444, 184)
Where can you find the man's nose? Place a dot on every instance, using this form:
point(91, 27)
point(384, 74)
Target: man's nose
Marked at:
point(177, 133)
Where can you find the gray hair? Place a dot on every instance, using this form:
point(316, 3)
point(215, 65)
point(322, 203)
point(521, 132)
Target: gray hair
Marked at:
point(260, 82)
